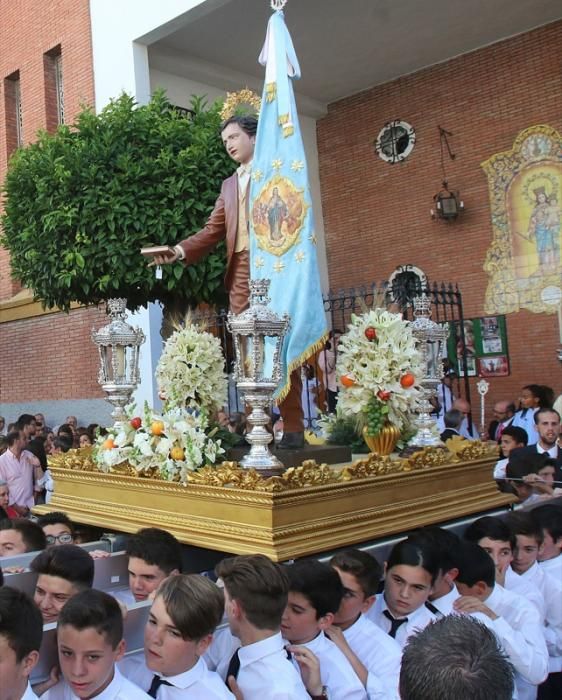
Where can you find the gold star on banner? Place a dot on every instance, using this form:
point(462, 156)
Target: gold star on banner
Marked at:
point(259, 263)
point(299, 257)
point(277, 164)
point(257, 175)
point(312, 238)
point(297, 165)
point(279, 266)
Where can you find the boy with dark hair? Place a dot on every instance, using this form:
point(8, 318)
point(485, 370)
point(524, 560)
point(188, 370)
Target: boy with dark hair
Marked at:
point(19, 536)
point(444, 592)
point(520, 466)
point(90, 642)
point(495, 537)
point(529, 542)
point(549, 519)
point(516, 622)
point(455, 657)
point(62, 573)
point(315, 596)
point(255, 593)
point(511, 438)
point(58, 528)
point(180, 627)
point(374, 656)
point(154, 555)
point(21, 630)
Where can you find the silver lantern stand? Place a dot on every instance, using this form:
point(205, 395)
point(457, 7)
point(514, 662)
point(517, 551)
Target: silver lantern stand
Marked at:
point(427, 333)
point(249, 330)
point(118, 344)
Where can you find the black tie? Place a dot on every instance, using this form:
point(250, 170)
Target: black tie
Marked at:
point(157, 681)
point(233, 666)
point(395, 623)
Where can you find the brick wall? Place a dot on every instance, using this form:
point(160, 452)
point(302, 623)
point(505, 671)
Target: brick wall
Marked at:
point(49, 357)
point(376, 215)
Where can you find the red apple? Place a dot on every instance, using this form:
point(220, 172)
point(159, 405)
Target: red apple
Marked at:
point(383, 395)
point(135, 422)
point(370, 333)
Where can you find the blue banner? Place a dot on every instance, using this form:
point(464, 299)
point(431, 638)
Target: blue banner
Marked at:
point(282, 234)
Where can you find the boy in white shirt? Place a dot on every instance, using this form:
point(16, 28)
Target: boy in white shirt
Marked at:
point(374, 655)
point(549, 519)
point(529, 542)
point(516, 622)
point(315, 595)
point(90, 642)
point(180, 626)
point(21, 630)
point(255, 595)
point(511, 439)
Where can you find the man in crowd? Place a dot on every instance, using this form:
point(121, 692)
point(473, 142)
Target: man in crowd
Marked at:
point(547, 422)
point(20, 536)
point(503, 415)
point(16, 468)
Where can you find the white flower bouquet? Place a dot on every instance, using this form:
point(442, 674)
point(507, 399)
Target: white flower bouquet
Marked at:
point(379, 365)
point(174, 443)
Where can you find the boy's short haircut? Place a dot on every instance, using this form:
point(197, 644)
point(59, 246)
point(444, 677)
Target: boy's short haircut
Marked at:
point(521, 464)
point(523, 523)
point(21, 623)
point(455, 657)
point(156, 547)
point(194, 604)
point(412, 552)
point(444, 542)
point(518, 434)
point(32, 535)
point(493, 528)
point(365, 568)
point(56, 518)
point(259, 585)
point(68, 561)
point(475, 565)
point(549, 518)
point(97, 610)
point(318, 583)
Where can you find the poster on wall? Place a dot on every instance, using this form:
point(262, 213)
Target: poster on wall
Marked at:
point(484, 344)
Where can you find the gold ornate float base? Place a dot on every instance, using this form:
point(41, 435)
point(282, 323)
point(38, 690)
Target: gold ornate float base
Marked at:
point(313, 509)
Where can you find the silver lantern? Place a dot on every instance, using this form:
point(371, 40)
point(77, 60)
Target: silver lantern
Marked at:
point(250, 330)
point(431, 337)
point(118, 344)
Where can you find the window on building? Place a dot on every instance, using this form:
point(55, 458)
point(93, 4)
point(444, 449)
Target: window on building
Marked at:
point(54, 88)
point(13, 112)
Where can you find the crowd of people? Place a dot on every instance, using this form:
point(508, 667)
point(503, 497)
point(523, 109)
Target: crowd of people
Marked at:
point(472, 617)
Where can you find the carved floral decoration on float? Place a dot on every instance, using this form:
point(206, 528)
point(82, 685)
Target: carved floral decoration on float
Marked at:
point(379, 364)
point(180, 440)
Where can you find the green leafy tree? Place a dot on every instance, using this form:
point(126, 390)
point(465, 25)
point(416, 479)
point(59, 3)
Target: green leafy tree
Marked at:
point(80, 203)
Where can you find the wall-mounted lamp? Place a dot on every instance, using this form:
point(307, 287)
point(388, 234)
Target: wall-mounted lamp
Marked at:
point(448, 204)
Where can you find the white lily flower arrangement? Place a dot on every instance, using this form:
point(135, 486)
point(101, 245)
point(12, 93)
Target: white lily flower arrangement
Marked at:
point(379, 366)
point(190, 372)
point(173, 443)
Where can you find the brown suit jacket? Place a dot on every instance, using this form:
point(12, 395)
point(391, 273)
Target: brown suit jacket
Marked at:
point(221, 224)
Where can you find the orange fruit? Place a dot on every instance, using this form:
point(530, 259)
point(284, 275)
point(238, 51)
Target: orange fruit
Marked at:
point(157, 427)
point(177, 453)
point(407, 380)
point(108, 444)
point(347, 381)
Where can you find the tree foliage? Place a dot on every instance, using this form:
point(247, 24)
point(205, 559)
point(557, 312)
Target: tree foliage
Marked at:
point(80, 203)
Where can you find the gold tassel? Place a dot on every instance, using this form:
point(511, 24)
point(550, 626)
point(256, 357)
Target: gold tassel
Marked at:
point(270, 91)
point(297, 362)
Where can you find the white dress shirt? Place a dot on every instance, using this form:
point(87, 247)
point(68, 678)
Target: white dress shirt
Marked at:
point(519, 629)
point(29, 694)
point(444, 604)
point(551, 589)
point(553, 567)
point(336, 672)
point(525, 418)
point(196, 683)
point(220, 651)
point(500, 470)
point(417, 620)
point(381, 656)
point(119, 689)
point(525, 588)
point(266, 672)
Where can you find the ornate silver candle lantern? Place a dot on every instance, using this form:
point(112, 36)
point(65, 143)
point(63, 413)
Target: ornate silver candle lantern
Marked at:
point(431, 337)
point(250, 330)
point(118, 344)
